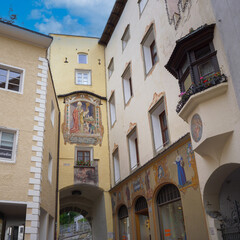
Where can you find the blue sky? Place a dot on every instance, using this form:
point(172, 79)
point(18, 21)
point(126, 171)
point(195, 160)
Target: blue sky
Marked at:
point(74, 17)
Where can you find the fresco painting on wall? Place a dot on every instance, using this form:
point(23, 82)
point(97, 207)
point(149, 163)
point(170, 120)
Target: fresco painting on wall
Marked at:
point(83, 121)
point(176, 167)
point(85, 175)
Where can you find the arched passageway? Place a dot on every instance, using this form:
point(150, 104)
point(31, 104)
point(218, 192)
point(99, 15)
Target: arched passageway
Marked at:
point(88, 201)
point(222, 200)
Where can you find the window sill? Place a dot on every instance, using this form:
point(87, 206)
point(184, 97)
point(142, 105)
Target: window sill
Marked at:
point(200, 97)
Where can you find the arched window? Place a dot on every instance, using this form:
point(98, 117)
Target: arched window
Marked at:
point(124, 232)
point(170, 213)
point(142, 219)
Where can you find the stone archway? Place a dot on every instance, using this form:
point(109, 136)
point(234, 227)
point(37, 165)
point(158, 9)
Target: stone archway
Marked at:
point(87, 200)
point(222, 201)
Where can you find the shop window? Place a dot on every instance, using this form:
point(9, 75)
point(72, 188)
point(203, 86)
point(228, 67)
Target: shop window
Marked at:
point(125, 38)
point(170, 213)
point(83, 77)
point(124, 226)
point(127, 84)
point(142, 219)
point(112, 109)
point(133, 149)
point(142, 4)
point(82, 58)
point(110, 68)
point(7, 145)
point(11, 78)
point(50, 166)
point(149, 50)
point(159, 126)
point(83, 156)
point(116, 166)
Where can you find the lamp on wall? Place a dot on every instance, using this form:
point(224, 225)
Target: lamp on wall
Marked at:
point(66, 61)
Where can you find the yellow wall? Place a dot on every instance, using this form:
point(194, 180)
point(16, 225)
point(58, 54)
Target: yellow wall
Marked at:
point(17, 111)
point(64, 78)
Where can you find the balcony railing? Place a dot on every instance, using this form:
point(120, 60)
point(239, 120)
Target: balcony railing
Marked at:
point(205, 83)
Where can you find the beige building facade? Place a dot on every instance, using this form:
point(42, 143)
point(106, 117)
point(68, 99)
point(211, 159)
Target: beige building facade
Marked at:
point(29, 136)
point(168, 74)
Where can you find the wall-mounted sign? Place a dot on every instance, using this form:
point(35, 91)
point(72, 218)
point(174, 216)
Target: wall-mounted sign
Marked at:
point(82, 120)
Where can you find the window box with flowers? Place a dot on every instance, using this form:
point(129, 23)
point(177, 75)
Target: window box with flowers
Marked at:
point(194, 63)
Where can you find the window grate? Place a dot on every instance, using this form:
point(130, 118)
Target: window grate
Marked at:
point(141, 204)
point(123, 212)
point(167, 194)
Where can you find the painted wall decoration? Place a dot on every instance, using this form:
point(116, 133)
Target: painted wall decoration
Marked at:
point(82, 120)
point(196, 127)
point(177, 167)
point(85, 175)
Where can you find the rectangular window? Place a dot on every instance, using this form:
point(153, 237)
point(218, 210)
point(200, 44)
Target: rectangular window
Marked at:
point(84, 156)
point(52, 113)
point(116, 166)
point(110, 68)
point(127, 84)
point(83, 77)
point(125, 37)
point(159, 126)
point(149, 50)
point(142, 4)
point(50, 164)
point(112, 109)
point(133, 150)
point(7, 145)
point(11, 78)
point(82, 58)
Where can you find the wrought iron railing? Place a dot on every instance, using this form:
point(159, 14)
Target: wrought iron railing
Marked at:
point(205, 83)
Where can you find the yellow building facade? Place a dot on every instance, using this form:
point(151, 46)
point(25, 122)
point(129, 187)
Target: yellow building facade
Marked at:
point(78, 69)
point(28, 136)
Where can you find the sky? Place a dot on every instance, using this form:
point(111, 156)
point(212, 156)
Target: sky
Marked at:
point(73, 17)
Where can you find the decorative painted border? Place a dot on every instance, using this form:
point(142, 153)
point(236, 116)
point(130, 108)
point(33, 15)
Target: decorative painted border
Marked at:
point(37, 153)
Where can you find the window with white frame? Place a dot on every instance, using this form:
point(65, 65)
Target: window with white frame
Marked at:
point(7, 145)
point(50, 165)
point(11, 78)
point(52, 113)
point(82, 58)
point(159, 126)
point(110, 68)
point(125, 37)
point(149, 50)
point(83, 77)
point(142, 4)
point(133, 149)
point(83, 156)
point(116, 166)
point(112, 109)
point(127, 84)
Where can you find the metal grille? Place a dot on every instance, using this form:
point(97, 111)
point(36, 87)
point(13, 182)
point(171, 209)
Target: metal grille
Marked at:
point(231, 233)
point(123, 212)
point(141, 204)
point(167, 194)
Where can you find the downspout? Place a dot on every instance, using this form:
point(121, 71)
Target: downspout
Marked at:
point(57, 177)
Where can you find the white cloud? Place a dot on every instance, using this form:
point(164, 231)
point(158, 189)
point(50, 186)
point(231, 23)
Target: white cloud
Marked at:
point(67, 25)
point(94, 12)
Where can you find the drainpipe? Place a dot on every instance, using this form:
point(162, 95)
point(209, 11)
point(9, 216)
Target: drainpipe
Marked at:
point(57, 177)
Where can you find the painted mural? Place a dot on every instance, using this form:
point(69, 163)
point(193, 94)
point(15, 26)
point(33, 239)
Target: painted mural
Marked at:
point(83, 120)
point(177, 167)
point(86, 175)
point(196, 127)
